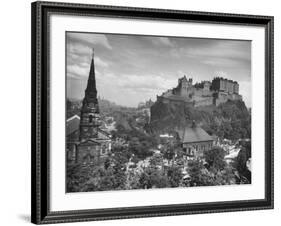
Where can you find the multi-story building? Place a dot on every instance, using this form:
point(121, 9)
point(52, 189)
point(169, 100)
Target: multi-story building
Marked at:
point(225, 85)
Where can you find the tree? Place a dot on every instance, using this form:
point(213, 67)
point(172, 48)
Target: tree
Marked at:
point(240, 162)
point(174, 174)
point(107, 163)
point(215, 158)
point(230, 120)
point(77, 175)
point(140, 148)
point(199, 175)
point(132, 180)
point(156, 160)
point(153, 178)
point(169, 151)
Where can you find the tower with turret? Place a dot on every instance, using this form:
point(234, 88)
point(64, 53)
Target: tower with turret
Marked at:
point(184, 86)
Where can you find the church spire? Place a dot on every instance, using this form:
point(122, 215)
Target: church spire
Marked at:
point(89, 119)
point(91, 90)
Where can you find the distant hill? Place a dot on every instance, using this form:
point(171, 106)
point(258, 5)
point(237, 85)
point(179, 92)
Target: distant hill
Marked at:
point(231, 120)
point(104, 105)
point(107, 106)
point(124, 116)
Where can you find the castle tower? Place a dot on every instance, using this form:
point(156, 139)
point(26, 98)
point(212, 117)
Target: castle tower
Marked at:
point(90, 120)
point(184, 86)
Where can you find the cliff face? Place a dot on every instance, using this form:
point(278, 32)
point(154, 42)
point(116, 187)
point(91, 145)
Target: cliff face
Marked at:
point(230, 120)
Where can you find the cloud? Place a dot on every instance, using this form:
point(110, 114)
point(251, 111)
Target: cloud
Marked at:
point(141, 85)
point(221, 74)
point(129, 90)
point(78, 49)
point(77, 70)
point(79, 60)
point(164, 41)
point(217, 62)
point(90, 39)
point(245, 89)
point(216, 52)
point(135, 68)
point(100, 63)
point(81, 70)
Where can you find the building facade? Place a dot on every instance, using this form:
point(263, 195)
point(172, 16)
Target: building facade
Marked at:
point(195, 141)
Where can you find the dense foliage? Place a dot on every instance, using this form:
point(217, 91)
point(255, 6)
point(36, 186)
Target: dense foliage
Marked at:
point(231, 120)
point(240, 162)
point(215, 158)
point(114, 174)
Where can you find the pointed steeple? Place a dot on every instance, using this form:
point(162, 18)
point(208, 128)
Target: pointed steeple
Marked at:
point(91, 90)
point(90, 119)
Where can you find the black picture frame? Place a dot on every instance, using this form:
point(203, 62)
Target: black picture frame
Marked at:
point(40, 208)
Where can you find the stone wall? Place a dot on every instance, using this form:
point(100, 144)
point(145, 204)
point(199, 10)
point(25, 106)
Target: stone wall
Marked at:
point(222, 97)
point(204, 101)
point(89, 153)
point(225, 85)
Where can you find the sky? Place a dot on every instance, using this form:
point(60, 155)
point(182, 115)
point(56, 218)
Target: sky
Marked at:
point(133, 68)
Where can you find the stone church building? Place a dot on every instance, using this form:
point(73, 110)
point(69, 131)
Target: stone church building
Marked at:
point(195, 140)
point(86, 141)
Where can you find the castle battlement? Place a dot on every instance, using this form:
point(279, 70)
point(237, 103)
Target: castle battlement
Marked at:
point(214, 92)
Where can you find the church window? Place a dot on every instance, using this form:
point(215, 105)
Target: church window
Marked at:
point(90, 118)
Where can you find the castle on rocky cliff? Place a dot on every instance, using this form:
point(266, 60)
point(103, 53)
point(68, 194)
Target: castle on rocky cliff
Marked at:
point(220, 90)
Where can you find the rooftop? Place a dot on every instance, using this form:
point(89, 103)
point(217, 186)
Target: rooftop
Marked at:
point(72, 124)
point(194, 134)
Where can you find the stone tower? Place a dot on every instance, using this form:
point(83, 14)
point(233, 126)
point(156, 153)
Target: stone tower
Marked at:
point(90, 120)
point(184, 86)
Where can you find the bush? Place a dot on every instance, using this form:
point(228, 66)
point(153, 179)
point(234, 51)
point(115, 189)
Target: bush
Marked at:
point(215, 158)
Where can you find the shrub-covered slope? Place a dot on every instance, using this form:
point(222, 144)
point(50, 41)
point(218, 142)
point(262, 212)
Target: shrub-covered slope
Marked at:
point(230, 120)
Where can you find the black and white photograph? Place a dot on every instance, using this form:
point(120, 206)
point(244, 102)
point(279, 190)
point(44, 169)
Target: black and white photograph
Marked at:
point(147, 112)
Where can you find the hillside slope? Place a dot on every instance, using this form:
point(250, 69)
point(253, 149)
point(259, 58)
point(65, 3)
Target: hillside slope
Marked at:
point(230, 120)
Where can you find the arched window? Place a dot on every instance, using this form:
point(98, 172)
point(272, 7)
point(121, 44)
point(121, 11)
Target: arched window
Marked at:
point(90, 119)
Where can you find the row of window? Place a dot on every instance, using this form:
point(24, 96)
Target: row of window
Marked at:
point(200, 147)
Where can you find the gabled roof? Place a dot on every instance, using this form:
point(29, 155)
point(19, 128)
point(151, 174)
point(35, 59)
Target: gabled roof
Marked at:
point(72, 124)
point(90, 141)
point(194, 134)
